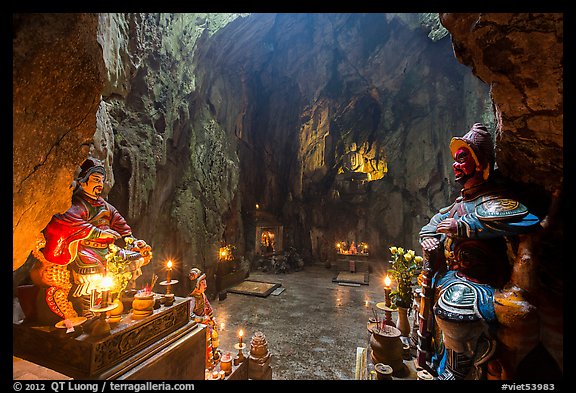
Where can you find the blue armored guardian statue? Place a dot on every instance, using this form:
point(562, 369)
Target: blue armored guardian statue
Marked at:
point(471, 233)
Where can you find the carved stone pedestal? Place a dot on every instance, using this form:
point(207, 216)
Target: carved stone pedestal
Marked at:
point(259, 359)
point(164, 345)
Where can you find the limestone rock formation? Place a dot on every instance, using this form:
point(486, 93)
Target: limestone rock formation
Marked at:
point(302, 92)
point(520, 56)
point(58, 76)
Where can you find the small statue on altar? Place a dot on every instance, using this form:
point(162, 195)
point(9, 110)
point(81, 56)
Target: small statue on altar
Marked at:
point(353, 249)
point(201, 311)
point(465, 244)
point(71, 254)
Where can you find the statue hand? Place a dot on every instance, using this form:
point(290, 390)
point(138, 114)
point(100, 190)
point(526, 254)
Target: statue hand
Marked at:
point(430, 244)
point(141, 244)
point(110, 234)
point(144, 249)
point(448, 226)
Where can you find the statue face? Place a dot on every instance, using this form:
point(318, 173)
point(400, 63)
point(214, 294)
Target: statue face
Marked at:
point(94, 185)
point(201, 288)
point(464, 165)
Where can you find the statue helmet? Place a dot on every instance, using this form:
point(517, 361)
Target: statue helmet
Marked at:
point(480, 143)
point(90, 166)
point(195, 275)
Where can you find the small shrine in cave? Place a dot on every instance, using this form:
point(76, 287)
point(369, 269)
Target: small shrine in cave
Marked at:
point(86, 315)
point(351, 256)
point(358, 166)
point(230, 270)
point(269, 234)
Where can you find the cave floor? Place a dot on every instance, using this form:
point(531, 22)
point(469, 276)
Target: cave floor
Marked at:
point(313, 327)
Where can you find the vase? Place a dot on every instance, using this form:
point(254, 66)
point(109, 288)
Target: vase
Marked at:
point(403, 323)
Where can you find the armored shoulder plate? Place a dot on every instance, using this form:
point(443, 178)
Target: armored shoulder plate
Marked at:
point(498, 208)
point(457, 302)
point(462, 300)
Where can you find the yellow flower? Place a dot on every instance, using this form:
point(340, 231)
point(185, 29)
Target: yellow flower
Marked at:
point(400, 251)
point(393, 250)
point(418, 259)
point(408, 257)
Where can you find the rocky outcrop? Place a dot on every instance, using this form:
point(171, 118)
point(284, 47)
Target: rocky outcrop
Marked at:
point(58, 76)
point(176, 169)
point(521, 57)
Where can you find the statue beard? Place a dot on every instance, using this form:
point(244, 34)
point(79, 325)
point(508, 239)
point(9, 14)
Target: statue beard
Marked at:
point(95, 193)
point(471, 179)
point(464, 179)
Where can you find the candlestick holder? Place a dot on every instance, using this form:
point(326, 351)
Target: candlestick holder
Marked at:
point(387, 313)
point(72, 326)
point(240, 357)
point(101, 327)
point(168, 296)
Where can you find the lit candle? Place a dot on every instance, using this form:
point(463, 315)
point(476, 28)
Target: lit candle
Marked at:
point(240, 334)
point(221, 325)
point(106, 284)
point(168, 271)
point(387, 283)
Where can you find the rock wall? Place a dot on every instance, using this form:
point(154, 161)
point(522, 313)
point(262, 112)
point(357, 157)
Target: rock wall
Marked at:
point(122, 88)
point(521, 57)
point(176, 169)
point(301, 91)
point(58, 76)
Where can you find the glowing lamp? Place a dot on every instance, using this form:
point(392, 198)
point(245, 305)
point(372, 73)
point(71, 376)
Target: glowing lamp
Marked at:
point(105, 286)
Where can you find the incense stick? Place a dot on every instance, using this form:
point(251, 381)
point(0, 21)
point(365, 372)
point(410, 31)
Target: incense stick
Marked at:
point(154, 278)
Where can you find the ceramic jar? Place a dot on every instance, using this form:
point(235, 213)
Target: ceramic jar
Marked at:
point(142, 305)
point(386, 348)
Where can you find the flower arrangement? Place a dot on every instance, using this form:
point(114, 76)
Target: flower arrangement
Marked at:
point(404, 267)
point(117, 267)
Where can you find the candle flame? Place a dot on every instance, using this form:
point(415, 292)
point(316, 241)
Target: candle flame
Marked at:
point(387, 281)
point(240, 333)
point(106, 283)
point(169, 264)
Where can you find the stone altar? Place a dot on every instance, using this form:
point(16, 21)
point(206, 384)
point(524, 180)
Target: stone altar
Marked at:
point(164, 345)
